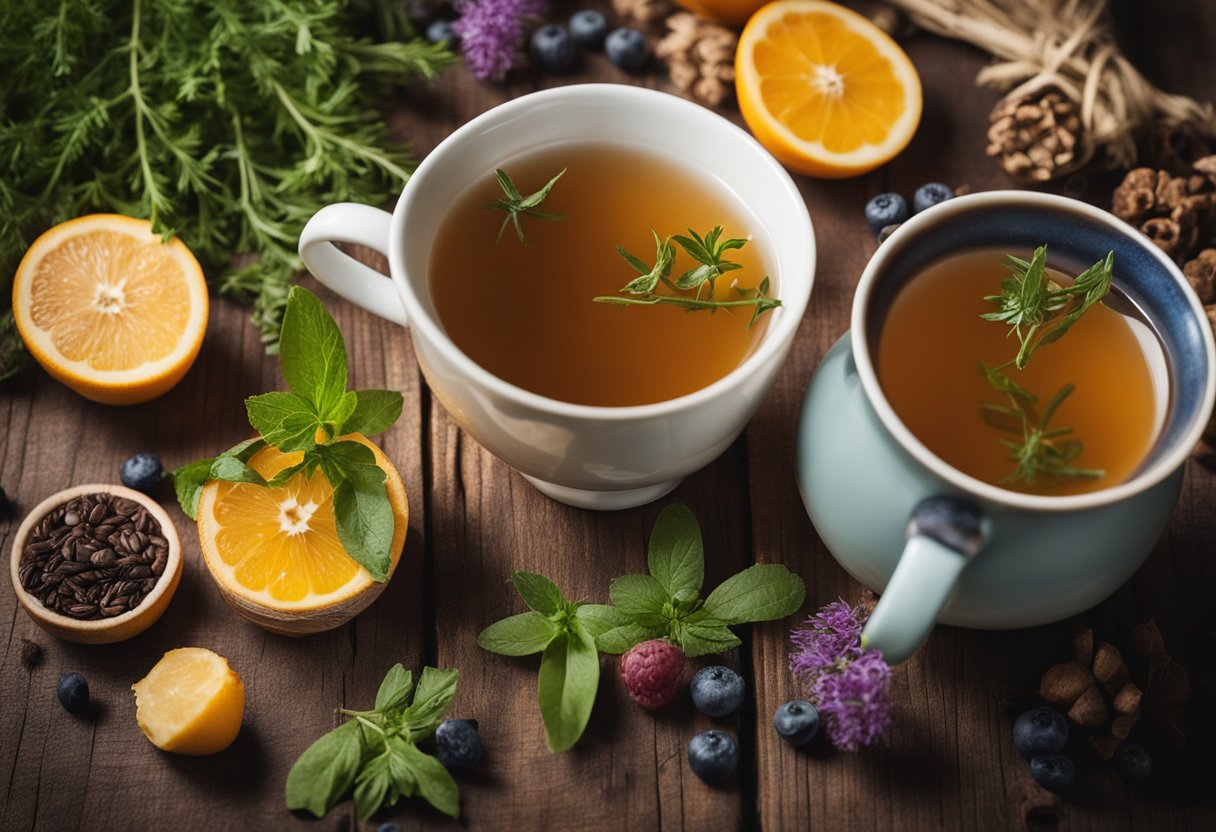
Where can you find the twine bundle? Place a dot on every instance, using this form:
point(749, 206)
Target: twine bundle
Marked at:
point(1071, 96)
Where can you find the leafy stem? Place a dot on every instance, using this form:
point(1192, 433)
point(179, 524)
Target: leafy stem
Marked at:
point(514, 204)
point(1041, 449)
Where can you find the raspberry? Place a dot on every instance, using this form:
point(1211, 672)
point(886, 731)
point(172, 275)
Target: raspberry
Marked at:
point(652, 672)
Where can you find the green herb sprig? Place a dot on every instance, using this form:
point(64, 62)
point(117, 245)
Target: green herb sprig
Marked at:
point(375, 752)
point(227, 122)
point(514, 204)
point(666, 603)
point(1039, 312)
point(709, 251)
point(310, 418)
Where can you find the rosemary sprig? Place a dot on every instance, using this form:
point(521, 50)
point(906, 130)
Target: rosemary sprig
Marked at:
point(516, 203)
point(708, 251)
point(1038, 310)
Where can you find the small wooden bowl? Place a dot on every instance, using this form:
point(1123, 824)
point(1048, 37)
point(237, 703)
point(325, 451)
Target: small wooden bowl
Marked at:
point(101, 630)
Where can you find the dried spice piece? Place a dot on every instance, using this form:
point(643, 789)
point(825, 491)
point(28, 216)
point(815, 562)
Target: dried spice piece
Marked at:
point(96, 556)
point(700, 57)
point(31, 654)
point(642, 11)
point(1200, 272)
point(1062, 68)
point(1036, 805)
point(1178, 213)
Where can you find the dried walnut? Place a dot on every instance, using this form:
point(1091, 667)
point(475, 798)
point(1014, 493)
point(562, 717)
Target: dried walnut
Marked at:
point(700, 57)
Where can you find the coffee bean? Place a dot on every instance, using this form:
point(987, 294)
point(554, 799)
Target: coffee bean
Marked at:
point(97, 514)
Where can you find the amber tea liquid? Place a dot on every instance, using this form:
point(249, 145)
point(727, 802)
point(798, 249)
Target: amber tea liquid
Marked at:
point(524, 312)
point(930, 346)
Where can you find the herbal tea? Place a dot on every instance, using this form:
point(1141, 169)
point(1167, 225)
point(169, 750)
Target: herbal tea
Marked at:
point(1014, 404)
point(521, 259)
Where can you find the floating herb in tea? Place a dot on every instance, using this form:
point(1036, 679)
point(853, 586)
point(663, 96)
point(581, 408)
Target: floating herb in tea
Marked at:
point(709, 252)
point(516, 203)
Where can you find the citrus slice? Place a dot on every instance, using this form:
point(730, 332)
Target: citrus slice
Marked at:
point(728, 12)
point(275, 552)
point(825, 90)
point(109, 309)
point(191, 702)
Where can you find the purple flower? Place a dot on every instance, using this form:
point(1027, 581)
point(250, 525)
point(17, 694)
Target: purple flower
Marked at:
point(856, 701)
point(492, 33)
point(850, 686)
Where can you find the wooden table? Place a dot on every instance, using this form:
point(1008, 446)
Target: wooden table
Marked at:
point(948, 763)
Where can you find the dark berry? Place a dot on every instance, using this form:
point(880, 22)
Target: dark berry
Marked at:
point(554, 49)
point(1052, 771)
point(588, 28)
point(927, 196)
point(457, 744)
point(73, 693)
point(1132, 762)
point(717, 690)
point(440, 31)
point(626, 47)
point(713, 756)
point(1040, 730)
point(143, 472)
point(797, 722)
point(389, 827)
point(884, 210)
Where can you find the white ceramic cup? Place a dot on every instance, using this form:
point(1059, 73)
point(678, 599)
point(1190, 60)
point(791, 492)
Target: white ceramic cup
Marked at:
point(591, 457)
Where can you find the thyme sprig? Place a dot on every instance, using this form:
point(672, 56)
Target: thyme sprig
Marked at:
point(1039, 312)
point(514, 203)
point(708, 251)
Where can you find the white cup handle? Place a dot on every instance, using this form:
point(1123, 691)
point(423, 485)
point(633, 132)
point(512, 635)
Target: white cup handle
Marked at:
point(349, 222)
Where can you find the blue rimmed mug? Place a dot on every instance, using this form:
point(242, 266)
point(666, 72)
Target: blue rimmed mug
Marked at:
point(941, 545)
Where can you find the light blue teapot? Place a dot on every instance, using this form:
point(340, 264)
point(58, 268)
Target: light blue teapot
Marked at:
point(940, 545)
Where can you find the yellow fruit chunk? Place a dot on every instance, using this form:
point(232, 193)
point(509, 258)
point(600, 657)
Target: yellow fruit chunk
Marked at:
point(191, 702)
point(109, 309)
point(275, 552)
point(825, 90)
point(729, 12)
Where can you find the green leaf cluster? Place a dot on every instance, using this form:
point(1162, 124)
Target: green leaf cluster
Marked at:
point(709, 252)
point(375, 752)
point(311, 418)
point(1039, 312)
point(513, 204)
point(226, 122)
point(665, 603)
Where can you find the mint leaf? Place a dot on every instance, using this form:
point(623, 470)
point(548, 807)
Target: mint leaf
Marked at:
point(519, 635)
point(361, 507)
point(395, 688)
point(641, 598)
point(326, 770)
point(312, 354)
point(597, 619)
point(763, 592)
point(189, 479)
point(284, 420)
point(436, 688)
point(433, 782)
point(538, 592)
point(701, 634)
point(375, 779)
point(676, 557)
point(620, 639)
point(375, 412)
point(569, 677)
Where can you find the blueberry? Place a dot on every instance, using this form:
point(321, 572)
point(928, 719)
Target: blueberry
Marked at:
point(717, 691)
point(1040, 730)
point(1132, 762)
point(554, 49)
point(73, 693)
point(1052, 771)
point(797, 722)
point(457, 744)
point(389, 827)
point(440, 31)
point(886, 209)
point(626, 47)
point(927, 196)
point(143, 472)
point(588, 27)
point(713, 756)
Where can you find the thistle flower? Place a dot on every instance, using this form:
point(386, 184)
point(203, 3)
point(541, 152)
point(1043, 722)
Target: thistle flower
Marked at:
point(492, 33)
point(849, 685)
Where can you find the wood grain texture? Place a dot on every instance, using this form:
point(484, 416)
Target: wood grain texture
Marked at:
point(949, 762)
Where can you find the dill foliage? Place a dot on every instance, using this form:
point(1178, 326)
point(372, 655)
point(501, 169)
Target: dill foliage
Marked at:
point(226, 122)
